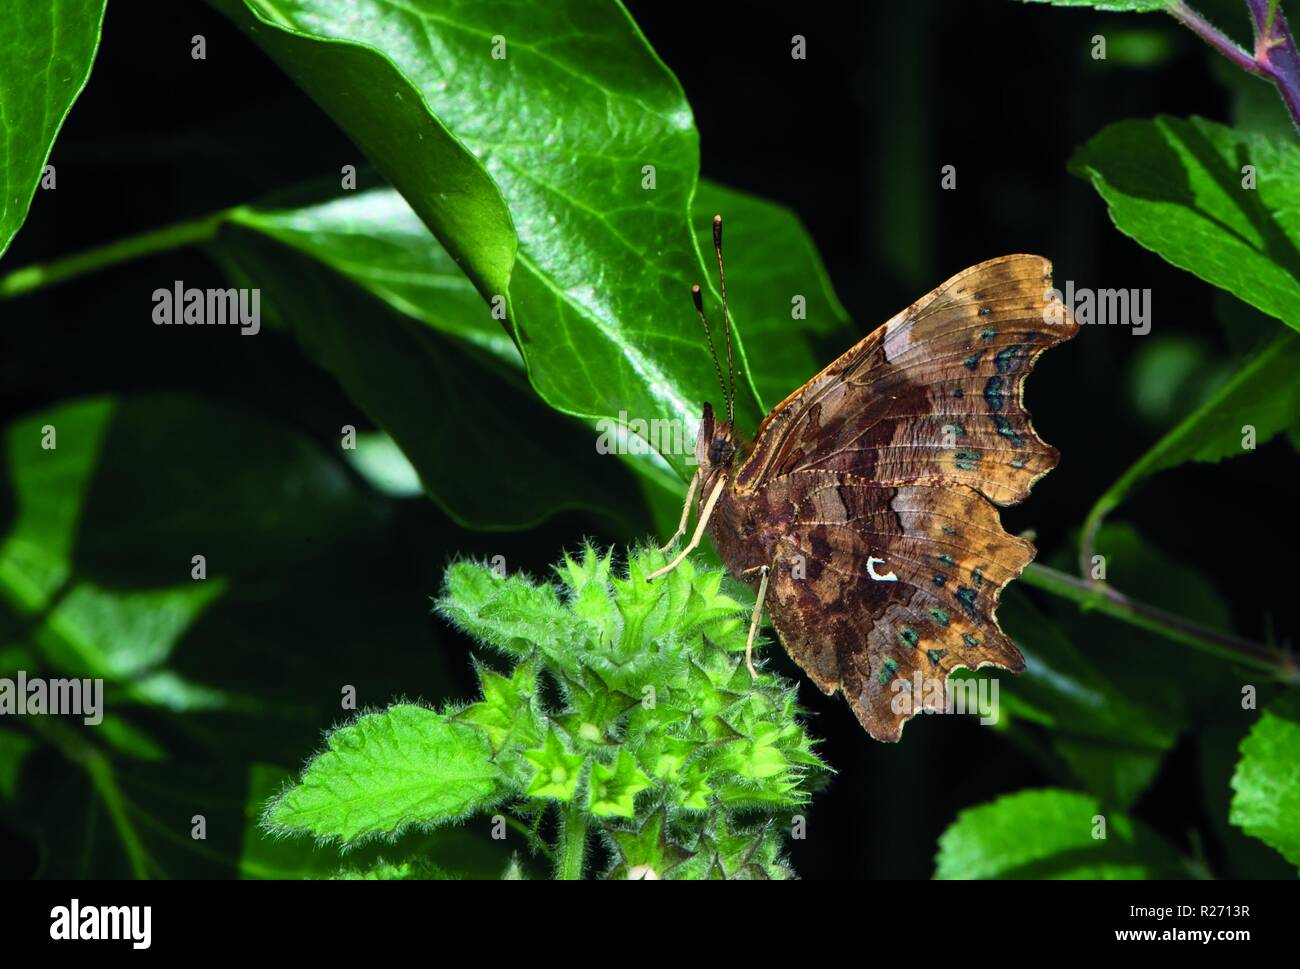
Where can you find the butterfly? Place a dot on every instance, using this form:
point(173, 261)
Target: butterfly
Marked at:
point(863, 511)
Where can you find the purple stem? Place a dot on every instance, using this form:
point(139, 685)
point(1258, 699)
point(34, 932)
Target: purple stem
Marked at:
point(1275, 52)
point(1215, 37)
point(1275, 56)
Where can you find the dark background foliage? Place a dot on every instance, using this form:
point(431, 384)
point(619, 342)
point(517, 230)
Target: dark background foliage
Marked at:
point(852, 139)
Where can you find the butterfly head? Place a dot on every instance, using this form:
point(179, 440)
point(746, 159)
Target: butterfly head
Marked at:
point(715, 447)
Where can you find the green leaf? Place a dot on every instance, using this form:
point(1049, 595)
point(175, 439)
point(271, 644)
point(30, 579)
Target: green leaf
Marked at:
point(1051, 833)
point(1263, 394)
point(119, 634)
point(263, 637)
point(46, 51)
point(385, 772)
point(557, 770)
point(374, 239)
point(613, 789)
point(650, 692)
point(92, 477)
point(509, 613)
point(389, 119)
point(435, 399)
point(646, 853)
point(379, 460)
point(387, 871)
point(122, 818)
point(1176, 188)
point(1144, 47)
point(505, 713)
point(459, 850)
point(1266, 786)
point(1218, 747)
point(590, 106)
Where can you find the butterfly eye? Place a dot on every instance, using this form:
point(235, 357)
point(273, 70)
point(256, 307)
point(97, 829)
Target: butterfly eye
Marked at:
point(721, 451)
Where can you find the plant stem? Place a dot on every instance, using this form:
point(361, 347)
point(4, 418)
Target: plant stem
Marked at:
point(1275, 56)
point(532, 837)
point(29, 278)
point(1111, 602)
point(76, 749)
point(1215, 37)
point(573, 841)
point(1275, 52)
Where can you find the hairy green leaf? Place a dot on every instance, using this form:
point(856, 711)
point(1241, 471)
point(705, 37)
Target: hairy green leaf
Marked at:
point(387, 871)
point(46, 51)
point(385, 772)
point(1266, 786)
point(463, 852)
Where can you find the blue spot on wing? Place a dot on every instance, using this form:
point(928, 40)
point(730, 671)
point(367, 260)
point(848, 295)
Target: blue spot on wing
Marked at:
point(993, 394)
point(966, 596)
point(1007, 358)
point(1006, 430)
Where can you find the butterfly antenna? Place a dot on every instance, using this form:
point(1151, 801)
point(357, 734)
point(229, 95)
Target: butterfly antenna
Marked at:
point(726, 322)
point(699, 308)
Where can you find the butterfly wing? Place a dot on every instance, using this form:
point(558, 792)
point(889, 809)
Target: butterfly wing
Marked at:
point(949, 560)
point(936, 393)
point(895, 452)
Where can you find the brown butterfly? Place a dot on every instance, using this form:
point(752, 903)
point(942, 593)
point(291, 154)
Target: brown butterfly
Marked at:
point(864, 513)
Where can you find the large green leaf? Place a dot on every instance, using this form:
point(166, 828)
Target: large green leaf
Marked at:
point(79, 621)
point(408, 382)
point(1266, 799)
point(565, 123)
point(1264, 394)
point(46, 50)
point(1177, 188)
point(1218, 748)
point(374, 239)
point(389, 119)
point(1051, 833)
point(386, 772)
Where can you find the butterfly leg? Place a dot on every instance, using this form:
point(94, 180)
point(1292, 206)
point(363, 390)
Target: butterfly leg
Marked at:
point(705, 514)
point(753, 622)
point(686, 514)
